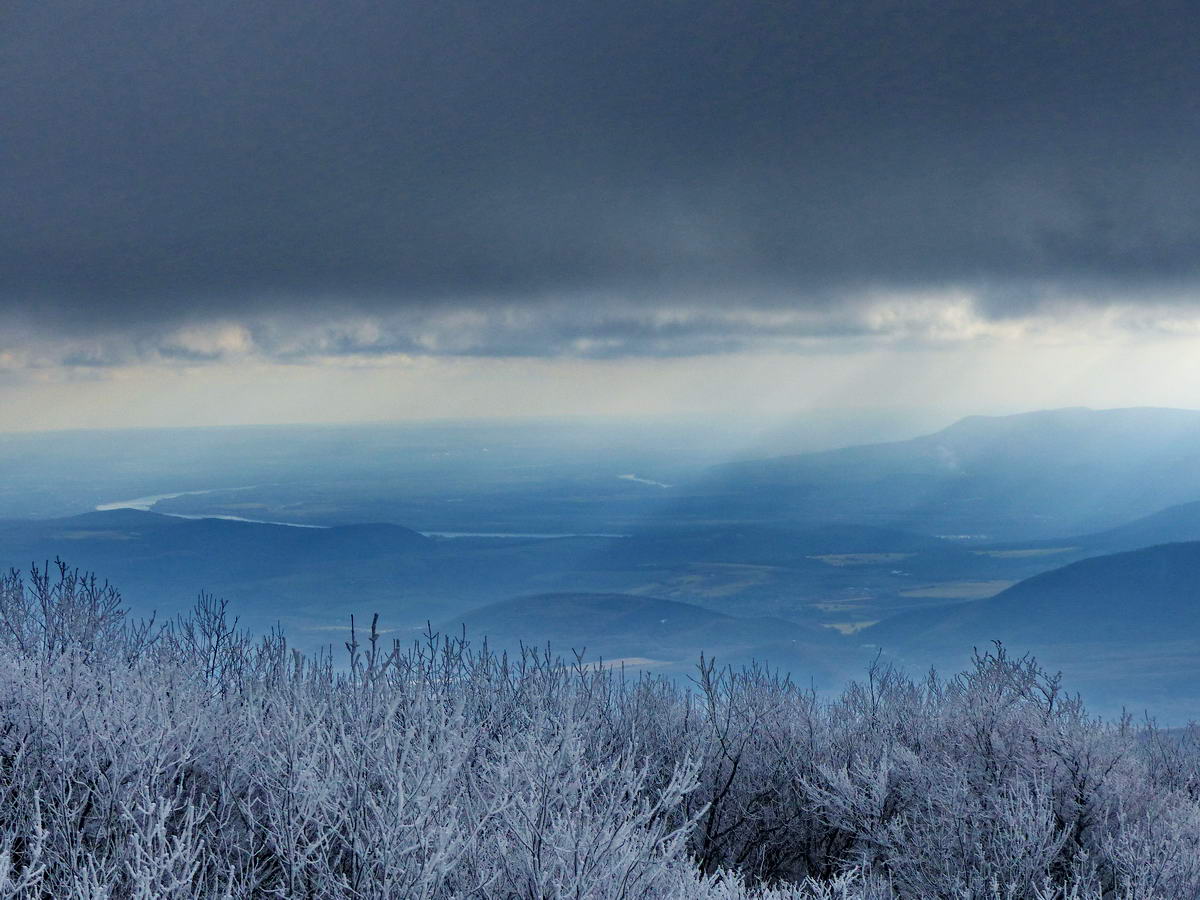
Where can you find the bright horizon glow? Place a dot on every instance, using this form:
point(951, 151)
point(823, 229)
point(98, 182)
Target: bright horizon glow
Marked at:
point(975, 377)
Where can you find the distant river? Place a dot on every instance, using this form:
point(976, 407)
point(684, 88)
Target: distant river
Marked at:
point(641, 480)
point(146, 504)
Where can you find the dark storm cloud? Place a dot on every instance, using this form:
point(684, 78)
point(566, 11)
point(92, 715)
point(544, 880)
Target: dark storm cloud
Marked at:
point(165, 163)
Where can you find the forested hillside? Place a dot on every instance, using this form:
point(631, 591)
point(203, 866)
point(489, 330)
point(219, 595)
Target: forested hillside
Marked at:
point(187, 759)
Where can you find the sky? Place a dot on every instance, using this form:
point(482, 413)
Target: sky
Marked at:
point(223, 212)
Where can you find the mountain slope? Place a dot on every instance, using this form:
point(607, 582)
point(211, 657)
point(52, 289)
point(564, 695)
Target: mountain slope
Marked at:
point(1124, 629)
point(1175, 524)
point(1141, 596)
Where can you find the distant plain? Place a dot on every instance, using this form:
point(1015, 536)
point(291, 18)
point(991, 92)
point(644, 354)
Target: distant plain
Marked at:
point(813, 562)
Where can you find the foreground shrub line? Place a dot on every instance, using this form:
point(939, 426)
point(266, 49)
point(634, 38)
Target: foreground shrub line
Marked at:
point(190, 759)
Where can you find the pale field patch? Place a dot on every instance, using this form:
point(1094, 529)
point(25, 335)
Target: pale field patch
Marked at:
point(1024, 554)
point(711, 580)
point(83, 535)
point(859, 559)
point(851, 627)
point(959, 590)
point(632, 661)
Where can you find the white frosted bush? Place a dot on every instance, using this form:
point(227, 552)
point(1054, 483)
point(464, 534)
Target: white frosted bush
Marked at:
point(191, 760)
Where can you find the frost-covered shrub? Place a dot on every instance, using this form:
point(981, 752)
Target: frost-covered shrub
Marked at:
point(192, 760)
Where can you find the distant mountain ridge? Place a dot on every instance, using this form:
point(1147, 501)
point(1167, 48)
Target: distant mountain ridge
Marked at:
point(1026, 476)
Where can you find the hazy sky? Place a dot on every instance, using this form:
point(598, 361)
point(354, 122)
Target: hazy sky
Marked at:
point(336, 210)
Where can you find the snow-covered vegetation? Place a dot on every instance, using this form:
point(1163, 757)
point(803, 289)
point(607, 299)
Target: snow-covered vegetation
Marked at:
point(192, 760)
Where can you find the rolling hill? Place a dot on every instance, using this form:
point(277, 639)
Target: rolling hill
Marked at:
point(1175, 524)
point(310, 577)
point(1124, 628)
point(1140, 596)
point(651, 631)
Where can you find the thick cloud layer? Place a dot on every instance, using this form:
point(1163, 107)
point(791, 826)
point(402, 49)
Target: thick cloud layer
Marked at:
point(573, 176)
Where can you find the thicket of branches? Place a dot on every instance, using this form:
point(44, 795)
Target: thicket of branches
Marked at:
point(192, 760)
